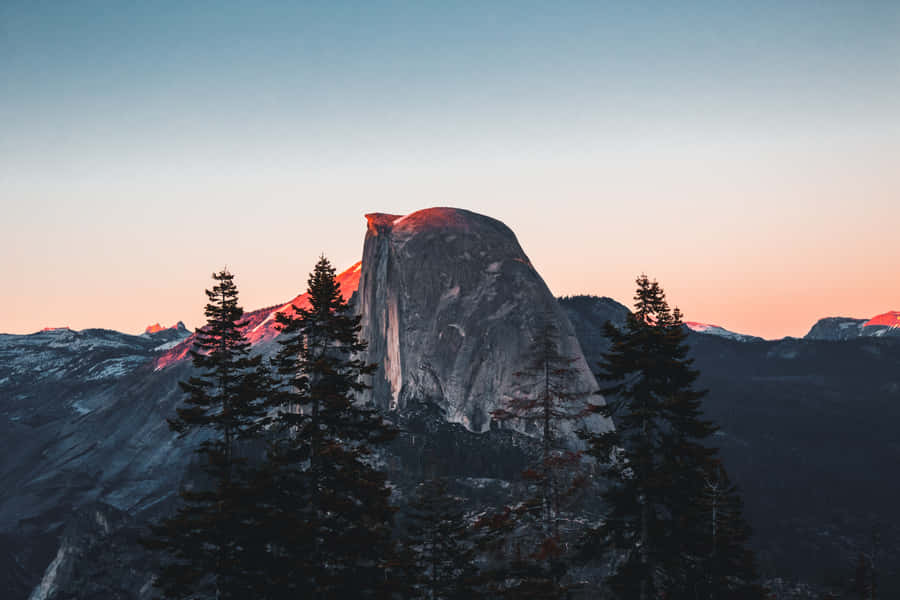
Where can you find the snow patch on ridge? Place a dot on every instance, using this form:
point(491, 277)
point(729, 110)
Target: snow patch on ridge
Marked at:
point(167, 345)
point(709, 329)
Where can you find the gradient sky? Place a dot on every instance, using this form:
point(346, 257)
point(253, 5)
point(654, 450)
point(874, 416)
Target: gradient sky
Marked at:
point(746, 154)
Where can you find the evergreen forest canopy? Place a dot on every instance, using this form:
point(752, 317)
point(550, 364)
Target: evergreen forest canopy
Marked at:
point(295, 501)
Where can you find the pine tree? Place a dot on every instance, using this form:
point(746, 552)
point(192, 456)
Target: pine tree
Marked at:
point(865, 584)
point(439, 539)
point(657, 462)
point(207, 541)
point(546, 402)
point(333, 518)
point(723, 566)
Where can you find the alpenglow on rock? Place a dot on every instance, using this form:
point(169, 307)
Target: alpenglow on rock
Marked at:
point(450, 307)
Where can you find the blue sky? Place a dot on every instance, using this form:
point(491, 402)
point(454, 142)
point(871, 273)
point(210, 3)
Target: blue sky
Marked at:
point(748, 124)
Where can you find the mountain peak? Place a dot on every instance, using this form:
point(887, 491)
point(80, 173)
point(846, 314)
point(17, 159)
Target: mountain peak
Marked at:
point(889, 319)
point(441, 218)
point(846, 328)
point(709, 329)
point(156, 328)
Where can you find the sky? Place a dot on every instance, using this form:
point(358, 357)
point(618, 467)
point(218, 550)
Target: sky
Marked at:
point(745, 154)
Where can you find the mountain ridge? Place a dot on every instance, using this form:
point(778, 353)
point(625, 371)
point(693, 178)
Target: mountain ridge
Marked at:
point(84, 412)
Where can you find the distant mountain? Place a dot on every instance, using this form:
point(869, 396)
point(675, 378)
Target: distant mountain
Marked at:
point(707, 329)
point(884, 324)
point(846, 328)
point(167, 337)
point(157, 331)
point(588, 315)
point(836, 329)
point(807, 431)
point(61, 354)
point(83, 422)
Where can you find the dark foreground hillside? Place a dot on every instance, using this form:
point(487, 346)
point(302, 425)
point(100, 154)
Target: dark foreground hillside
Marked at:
point(810, 433)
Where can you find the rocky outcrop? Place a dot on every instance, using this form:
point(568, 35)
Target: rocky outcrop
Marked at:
point(450, 306)
point(81, 566)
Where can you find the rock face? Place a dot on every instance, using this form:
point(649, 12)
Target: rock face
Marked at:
point(450, 305)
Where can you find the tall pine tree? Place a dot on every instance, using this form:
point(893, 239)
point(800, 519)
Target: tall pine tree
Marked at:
point(658, 464)
point(331, 508)
point(439, 540)
point(723, 566)
point(547, 402)
point(208, 541)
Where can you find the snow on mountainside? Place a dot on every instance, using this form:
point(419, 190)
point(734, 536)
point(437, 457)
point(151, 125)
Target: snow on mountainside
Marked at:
point(708, 329)
point(56, 354)
point(845, 328)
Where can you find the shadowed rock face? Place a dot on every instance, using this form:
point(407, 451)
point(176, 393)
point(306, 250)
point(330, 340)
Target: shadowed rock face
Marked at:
point(450, 306)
